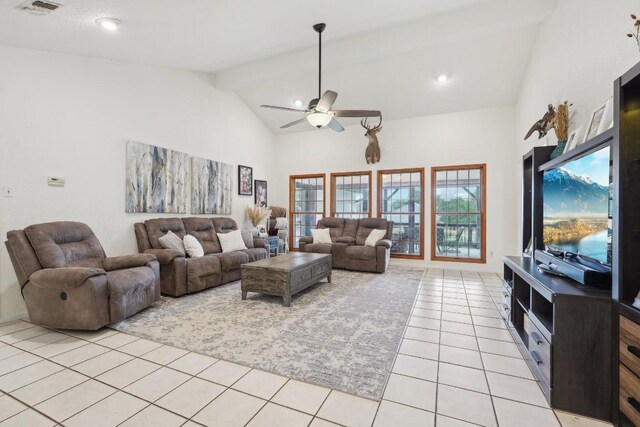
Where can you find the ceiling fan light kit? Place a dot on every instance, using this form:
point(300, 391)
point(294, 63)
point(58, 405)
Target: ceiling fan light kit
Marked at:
point(319, 120)
point(319, 113)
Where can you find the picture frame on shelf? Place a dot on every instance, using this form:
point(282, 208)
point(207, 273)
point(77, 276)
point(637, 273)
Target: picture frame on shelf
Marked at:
point(600, 119)
point(260, 193)
point(574, 139)
point(245, 180)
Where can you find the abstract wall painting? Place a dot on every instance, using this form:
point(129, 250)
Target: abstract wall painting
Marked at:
point(156, 179)
point(211, 187)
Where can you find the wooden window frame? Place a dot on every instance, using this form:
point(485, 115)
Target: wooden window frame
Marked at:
point(335, 175)
point(483, 213)
point(292, 179)
point(419, 256)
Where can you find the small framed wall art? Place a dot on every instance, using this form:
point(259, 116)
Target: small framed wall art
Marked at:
point(261, 193)
point(245, 180)
point(600, 120)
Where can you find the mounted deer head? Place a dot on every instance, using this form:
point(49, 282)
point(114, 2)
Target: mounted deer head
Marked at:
point(372, 153)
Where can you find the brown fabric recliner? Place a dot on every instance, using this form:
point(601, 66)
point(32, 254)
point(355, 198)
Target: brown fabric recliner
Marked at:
point(180, 275)
point(68, 282)
point(347, 248)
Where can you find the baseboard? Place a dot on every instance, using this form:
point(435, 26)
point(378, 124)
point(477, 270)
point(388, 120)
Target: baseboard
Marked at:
point(14, 317)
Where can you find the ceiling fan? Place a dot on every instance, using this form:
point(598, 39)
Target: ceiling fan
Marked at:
point(319, 112)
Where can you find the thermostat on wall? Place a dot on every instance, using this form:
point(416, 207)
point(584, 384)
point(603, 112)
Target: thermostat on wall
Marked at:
point(56, 181)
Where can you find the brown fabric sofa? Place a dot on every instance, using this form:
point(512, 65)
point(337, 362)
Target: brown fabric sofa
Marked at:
point(347, 248)
point(68, 282)
point(181, 275)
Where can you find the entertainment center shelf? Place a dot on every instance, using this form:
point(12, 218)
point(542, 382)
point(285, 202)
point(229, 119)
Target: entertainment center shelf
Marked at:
point(564, 330)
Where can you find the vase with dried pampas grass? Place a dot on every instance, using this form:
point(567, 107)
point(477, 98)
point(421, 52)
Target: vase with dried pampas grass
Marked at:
point(256, 215)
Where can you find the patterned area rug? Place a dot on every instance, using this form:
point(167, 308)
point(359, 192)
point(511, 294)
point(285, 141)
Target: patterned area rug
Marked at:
point(342, 335)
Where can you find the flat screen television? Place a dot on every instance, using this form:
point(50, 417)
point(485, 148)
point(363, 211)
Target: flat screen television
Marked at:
point(577, 207)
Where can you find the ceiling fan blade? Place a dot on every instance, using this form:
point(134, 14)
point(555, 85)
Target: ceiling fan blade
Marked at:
point(284, 108)
point(326, 101)
point(288, 125)
point(335, 125)
point(356, 113)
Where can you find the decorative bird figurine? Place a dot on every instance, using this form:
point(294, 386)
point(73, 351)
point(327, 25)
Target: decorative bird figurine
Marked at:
point(544, 125)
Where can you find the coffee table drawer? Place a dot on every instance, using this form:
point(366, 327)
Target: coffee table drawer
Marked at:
point(301, 276)
point(321, 270)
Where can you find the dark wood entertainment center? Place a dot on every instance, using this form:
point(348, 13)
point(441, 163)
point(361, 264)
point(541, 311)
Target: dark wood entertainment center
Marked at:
point(582, 343)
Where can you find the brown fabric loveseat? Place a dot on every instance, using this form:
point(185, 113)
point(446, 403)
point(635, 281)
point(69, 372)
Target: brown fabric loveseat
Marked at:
point(181, 275)
point(347, 248)
point(68, 282)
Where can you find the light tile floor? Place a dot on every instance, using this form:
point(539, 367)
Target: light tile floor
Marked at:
point(456, 366)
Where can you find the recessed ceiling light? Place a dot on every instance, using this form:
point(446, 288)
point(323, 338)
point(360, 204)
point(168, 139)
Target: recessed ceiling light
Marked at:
point(442, 78)
point(298, 103)
point(109, 24)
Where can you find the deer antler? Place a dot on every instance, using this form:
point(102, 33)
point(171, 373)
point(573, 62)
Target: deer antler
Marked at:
point(374, 129)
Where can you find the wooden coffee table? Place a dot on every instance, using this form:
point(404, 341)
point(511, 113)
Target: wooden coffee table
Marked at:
point(285, 275)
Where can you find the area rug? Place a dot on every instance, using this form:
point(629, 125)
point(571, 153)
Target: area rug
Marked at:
point(342, 335)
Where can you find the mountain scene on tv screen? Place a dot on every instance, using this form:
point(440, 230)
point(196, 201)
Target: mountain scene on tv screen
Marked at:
point(576, 207)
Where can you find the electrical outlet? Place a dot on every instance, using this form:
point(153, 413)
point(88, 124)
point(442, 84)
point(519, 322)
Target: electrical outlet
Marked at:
point(7, 191)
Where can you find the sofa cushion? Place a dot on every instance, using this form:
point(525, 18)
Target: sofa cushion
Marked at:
point(318, 248)
point(224, 225)
point(230, 261)
point(158, 227)
point(321, 235)
point(365, 226)
point(173, 242)
point(231, 241)
point(65, 244)
point(203, 230)
point(256, 254)
point(193, 247)
point(335, 226)
point(360, 252)
point(374, 237)
point(247, 238)
point(350, 227)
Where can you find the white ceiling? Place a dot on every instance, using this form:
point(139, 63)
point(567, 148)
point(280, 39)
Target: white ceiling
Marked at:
point(202, 35)
point(376, 54)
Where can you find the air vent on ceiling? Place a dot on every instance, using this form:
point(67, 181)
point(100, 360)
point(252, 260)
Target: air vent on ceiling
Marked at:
point(39, 7)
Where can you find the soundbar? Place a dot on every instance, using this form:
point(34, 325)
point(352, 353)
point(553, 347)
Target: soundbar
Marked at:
point(580, 269)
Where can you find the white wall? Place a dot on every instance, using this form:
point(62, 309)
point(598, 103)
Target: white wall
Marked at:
point(580, 51)
point(481, 136)
point(70, 116)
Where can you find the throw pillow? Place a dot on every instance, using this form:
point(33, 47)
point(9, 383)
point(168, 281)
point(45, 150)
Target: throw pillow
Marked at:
point(172, 241)
point(193, 246)
point(282, 223)
point(231, 241)
point(374, 237)
point(247, 238)
point(321, 235)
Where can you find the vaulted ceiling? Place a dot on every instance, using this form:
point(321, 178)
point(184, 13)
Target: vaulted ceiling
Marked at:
point(376, 54)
